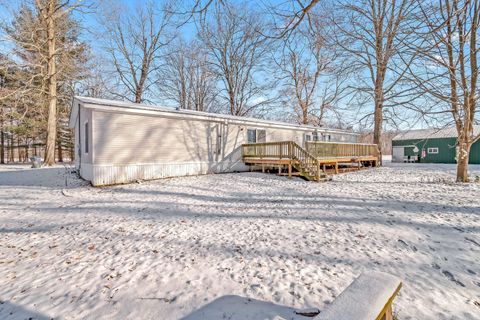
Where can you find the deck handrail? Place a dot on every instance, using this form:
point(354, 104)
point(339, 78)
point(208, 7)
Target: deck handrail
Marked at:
point(322, 149)
point(283, 150)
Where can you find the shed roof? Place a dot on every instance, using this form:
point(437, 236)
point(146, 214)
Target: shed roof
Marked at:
point(433, 133)
point(130, 106)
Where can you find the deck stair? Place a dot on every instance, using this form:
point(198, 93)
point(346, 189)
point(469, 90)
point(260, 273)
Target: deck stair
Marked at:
point(313, 161)
point(286, 153)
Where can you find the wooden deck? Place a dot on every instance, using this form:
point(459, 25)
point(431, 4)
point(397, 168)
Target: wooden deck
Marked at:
point(314, 163)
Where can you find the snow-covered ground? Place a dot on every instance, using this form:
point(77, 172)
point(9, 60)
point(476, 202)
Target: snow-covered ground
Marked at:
point(162, 249)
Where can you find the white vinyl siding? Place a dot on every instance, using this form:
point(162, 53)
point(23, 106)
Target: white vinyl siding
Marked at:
point(126, 139)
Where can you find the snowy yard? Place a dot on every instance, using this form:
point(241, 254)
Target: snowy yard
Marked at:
point(162, 249)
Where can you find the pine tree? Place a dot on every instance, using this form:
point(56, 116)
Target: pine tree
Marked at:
point(51, 57)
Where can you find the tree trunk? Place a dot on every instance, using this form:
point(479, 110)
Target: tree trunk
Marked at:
point(72, 152)
point(2, 147)
point(304, 114)
point(377, 129)
point(59, 149)
point(10, 149)
point(231, 97)
point(2, 139)
point(19, 150)
point(26, 150)
point(463, 156)
point(52, 76)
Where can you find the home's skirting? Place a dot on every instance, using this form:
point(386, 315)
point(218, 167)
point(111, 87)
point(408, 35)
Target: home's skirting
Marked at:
point(124, 173)
point(86, 170)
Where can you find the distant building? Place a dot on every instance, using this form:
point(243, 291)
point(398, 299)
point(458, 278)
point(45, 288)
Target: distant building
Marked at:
point(431, 146)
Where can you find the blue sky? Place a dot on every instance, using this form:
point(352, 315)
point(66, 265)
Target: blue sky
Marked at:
point(90, 22)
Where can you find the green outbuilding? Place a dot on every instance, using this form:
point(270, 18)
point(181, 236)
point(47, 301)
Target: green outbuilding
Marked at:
point(431, 146)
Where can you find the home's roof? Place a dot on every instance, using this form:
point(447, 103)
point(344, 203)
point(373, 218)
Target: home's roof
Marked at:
point(432, 133)
point(92, 102)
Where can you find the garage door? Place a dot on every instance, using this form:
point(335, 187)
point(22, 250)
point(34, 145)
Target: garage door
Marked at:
point(398, 154)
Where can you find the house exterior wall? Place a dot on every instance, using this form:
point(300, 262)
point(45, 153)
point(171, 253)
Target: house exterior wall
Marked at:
point(129, 147)
point(446, 149)
point(126, 146)
point(132, 139)
point(83, 159)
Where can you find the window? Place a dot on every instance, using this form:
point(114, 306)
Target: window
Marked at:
point(251, 136)
point(86, 137)
point(261, 135)
point(308, 137)
point(432, 150)
point(315, 136)
point(326, 137)
point(256, 135)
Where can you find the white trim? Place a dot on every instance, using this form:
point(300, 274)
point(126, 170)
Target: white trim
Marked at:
point(405, 146)
point(432, 150)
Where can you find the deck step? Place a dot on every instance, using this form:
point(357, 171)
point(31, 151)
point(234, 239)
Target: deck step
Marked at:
point(312, 166)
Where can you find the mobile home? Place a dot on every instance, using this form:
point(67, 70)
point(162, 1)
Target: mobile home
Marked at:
point(120, 142)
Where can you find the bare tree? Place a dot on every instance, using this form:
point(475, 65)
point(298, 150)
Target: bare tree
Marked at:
point(187, 77)
point(237, 52)
point(447, 68)
point(288, 15)
point(134, 44)
point(308, 65)
point(47, 49)
point(373, 33)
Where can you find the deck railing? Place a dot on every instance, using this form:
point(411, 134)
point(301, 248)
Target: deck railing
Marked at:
point(283, 150)
point(280, 149)
point(340, 149)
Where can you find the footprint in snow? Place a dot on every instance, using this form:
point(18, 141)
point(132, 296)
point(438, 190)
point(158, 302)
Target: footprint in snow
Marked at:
point(459, 229)
point(472, 241)
point(451, 277)
point(406, 246)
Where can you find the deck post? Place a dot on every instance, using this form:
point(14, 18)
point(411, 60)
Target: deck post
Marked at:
point(318, 171)
point(279, 169)
point(290, 169)
point(336, 167)
point(263, 168)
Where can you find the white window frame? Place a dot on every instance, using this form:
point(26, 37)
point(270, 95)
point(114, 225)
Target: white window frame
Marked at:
point(432, 150)
point(257, 135)
point(254, 130)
